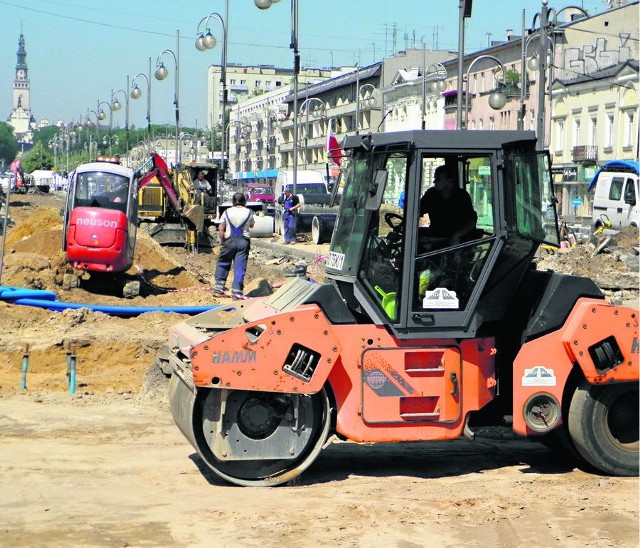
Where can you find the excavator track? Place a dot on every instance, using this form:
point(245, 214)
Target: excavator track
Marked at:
point(251, 438)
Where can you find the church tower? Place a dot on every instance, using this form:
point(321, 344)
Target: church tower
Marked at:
point(21, 119)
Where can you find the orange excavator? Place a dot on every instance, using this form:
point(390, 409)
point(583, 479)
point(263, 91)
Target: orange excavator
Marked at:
point(412, 338)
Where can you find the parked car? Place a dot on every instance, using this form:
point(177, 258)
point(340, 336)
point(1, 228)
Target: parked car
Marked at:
point(259, 192)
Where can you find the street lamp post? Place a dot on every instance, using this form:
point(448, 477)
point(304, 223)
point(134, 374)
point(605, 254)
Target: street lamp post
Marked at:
point(208, 41)
point(110, 140)
point(464, 7)
point(243, 130)
point(317, 112)
point(273, 120)
point(548, 20)
point(136, 93)
point(263, 5)
point(497, 99)
point(364, 102)
point(161, 73)
point(116, 105)
point(435, 74)
point(88, 125)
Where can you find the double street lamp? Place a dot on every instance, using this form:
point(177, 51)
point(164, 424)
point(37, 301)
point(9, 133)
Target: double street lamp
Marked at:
point(208, 41)
point(109, 141)
point(497, 99)
point(136, 93)
point(161, 73)
point(365, 99)
point(548, 20)
point(317, 108)
point(243, 130)
point(436, 75)
point(116, 105)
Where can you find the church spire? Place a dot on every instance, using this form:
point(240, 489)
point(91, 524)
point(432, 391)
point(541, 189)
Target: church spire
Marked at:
point(21, 53)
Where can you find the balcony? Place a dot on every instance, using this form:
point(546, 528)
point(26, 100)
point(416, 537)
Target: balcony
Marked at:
point(585, 153)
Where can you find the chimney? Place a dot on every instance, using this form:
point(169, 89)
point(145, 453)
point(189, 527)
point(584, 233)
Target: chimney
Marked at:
point(509, 34)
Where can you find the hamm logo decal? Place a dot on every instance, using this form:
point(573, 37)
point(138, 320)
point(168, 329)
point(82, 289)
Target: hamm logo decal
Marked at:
point(242, 356)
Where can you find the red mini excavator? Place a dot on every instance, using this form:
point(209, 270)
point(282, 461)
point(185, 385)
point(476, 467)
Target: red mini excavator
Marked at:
point(101, 213)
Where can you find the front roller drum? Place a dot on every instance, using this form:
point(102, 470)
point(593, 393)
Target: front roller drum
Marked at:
point(252, 438)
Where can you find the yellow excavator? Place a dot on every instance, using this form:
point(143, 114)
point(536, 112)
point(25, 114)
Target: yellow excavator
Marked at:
point(169, 225)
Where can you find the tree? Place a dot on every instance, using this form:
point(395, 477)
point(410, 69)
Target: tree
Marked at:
point(8, 145)
point(38, 157)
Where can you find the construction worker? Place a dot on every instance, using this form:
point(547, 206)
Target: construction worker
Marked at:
point(233, 232)
point(291, 204)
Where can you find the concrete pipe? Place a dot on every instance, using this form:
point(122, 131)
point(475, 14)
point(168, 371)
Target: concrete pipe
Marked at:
point(263, 228)
point(322, 228)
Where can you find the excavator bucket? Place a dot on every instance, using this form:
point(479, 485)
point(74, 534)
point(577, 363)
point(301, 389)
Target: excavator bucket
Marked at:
point(195, 214)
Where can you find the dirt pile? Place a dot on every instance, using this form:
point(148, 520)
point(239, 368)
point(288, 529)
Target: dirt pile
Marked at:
point(113, 353)
point(612, 262)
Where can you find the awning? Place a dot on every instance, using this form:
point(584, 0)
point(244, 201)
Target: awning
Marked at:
point(262, 174)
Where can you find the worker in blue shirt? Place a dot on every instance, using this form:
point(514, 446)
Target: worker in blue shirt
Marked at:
point(291, 204)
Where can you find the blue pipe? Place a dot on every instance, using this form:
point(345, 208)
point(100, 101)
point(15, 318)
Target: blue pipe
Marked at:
point(47, 299)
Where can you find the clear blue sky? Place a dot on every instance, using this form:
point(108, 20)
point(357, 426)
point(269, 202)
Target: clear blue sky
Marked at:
point(78, 50)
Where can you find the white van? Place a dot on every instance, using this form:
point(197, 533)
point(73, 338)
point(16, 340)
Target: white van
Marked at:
point(313, 181)
point(616, 195)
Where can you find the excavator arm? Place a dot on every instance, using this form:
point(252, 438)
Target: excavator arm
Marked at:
point(191, 212)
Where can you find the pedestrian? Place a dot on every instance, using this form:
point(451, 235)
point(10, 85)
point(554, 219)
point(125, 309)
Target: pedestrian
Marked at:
point(291, 204)
point(233, 232)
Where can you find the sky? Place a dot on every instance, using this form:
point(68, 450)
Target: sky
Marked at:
point(78, 51)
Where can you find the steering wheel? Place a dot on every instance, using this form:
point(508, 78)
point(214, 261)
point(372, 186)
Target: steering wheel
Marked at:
point(391, 246)
point(394, 220)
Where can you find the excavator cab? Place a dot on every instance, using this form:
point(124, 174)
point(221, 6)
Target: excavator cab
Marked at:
point(390, 264)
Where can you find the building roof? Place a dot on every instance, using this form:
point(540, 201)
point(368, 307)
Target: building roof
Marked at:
point(603, 74)
point(338, 82)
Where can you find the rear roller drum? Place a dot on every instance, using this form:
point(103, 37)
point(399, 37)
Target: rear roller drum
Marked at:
point(259, 438)
point(603, 424)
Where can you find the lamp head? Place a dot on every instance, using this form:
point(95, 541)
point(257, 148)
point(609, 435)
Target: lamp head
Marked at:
point(438, 86)
point(161, 72)
point(101, 115)
point(263, 4)
point(115, 105)
point(200, 43)
point(497, 100)
point(136, 92)
point(209, 40)
point(533, 64)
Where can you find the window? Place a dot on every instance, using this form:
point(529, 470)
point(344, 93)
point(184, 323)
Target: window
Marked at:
point(446, 271)
point(615, 190)
point(608, 131)
point(232, 81)
point(628, 128)
point(576, 132)
point(559, 135)
point(258, 83)
point(593, 130)
point(630, 192)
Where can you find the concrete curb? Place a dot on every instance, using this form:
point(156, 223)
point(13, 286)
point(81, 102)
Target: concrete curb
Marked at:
point(306, 251)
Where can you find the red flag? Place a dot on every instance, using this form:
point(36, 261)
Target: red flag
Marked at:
point(334, 152)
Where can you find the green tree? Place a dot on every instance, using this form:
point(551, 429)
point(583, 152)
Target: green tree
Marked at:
point(39, 157)
point(8, 145)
